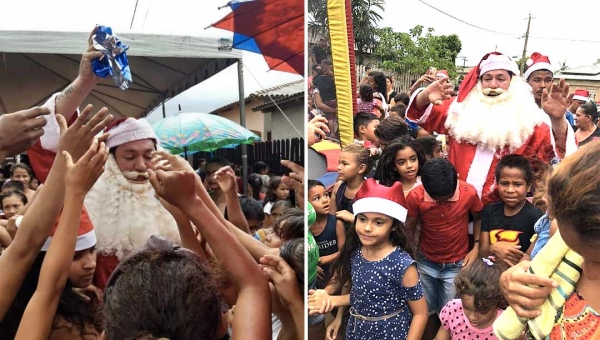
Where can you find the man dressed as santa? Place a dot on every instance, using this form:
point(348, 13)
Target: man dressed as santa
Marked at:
point(122, 205)
point(494, 114)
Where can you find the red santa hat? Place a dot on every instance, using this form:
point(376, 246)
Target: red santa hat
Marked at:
point(537, 62)
point(442, 74)
point(376, 198)
point(490, 62)
point(125, 130)
point(581, 94)
point(86, 236)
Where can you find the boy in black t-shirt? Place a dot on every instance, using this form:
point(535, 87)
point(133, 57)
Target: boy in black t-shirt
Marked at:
point(507, 226)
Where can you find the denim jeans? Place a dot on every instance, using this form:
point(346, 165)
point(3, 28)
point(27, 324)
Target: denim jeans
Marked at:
point(438, 282)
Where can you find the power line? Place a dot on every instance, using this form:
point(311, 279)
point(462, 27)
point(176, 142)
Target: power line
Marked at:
point(503, 33)
point(133, 17)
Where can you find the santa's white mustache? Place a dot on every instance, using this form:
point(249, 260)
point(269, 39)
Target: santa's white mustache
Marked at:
point(135, 174)
point(496, 91)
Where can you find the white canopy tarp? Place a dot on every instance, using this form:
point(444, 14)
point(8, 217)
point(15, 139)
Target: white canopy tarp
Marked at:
point(35, 64)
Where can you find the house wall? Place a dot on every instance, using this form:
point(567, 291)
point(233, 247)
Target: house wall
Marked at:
point(255, 121)
point(593, 86)
point(280, 127)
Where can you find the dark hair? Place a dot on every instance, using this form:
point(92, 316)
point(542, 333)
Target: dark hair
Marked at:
point(361, 154)
point(366, 92)
point(574, 193)
point(391, 128)
point(12, 185)
point(201, 160)
point(255, 182)
point(270, 196)
point(589, 109)
point(293, 227)
point(222, 161)
point(515, 162)
point(20, 166)
point(259, 166)
point(341, 267)
point(402, 98)
point(314, 183)
point(427, 144)
point(439, 178)
point(163, 293)
point(379, 79)
point(10, 193)
point(391, 79)
point(363, 119)
point(401, 109)
point(251, 208)
point(481, 281)
point(386, 171)
point(293, 253)
point(72, 307)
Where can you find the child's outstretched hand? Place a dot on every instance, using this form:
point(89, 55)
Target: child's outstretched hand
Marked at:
point(319, 302)
point(283, 277)
point(76, 139)
point(168, 162)
point(226, 179)
point(175, 187)
point(81, 176)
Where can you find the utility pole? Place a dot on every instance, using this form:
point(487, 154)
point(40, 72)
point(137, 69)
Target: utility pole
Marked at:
point(464, 59)
point(525, 46)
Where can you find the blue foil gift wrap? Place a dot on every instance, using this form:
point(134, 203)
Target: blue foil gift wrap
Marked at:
point(114, 63)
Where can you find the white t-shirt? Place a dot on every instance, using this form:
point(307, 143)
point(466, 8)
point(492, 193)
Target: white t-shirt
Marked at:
point(267, 208)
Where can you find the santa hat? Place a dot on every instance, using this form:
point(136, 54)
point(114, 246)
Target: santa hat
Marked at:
point(376, 198)
point(582, 95)
point(537, 62)
point(442, 73)
point(86, 236)
point(125, 130)
point(490, 62)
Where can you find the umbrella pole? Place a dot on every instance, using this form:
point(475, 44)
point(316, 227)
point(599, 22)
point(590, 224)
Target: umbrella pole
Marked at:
point(243, 124)
point(185, 153)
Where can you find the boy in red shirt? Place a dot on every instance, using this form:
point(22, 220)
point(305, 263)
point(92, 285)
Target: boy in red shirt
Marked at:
point(442, 204)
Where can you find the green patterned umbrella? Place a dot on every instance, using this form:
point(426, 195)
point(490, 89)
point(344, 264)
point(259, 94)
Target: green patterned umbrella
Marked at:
point(189, 132)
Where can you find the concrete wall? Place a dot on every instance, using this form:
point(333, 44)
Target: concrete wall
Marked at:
point(280, 127)
point(255, 121)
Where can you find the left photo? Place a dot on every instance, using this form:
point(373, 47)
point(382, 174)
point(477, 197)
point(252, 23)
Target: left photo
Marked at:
point(152, 170)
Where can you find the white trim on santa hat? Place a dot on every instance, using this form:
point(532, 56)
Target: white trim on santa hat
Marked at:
point(381, 206)
point(498, 62)
point(536, 67)
point(130, 130)
point(582, 98)
point(84, 241)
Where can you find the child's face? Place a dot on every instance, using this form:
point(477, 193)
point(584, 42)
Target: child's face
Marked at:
point(282, 192)
point(21, 175)
point(477, 319)
point(272, 238)
point(369, 131)
point(254, 225)
point(512, 187)
point(276, 213)
point(83, 268)
point(11, 205)
point(407, 163)
point(319, 198)
point(348, 167)
point(437, 151)
point(373, 229)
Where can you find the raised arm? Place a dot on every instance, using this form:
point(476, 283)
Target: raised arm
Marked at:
point(41, 309)
point(39, 220)
point(226, 178)
point(253, 309)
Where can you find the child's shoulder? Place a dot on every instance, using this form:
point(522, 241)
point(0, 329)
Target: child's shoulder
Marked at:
point(451, 308)
point(493, 206)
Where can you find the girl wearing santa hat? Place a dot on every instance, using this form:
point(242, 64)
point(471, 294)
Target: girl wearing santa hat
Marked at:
point(385, 298)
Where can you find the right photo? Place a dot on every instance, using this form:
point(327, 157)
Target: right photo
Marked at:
point(453, 188)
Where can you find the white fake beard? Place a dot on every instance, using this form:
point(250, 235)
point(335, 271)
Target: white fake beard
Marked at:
point(126, 214)
point(495, 121)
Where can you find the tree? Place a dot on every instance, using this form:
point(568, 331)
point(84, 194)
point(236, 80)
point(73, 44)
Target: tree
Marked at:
point(417, 50)
point(365, 16)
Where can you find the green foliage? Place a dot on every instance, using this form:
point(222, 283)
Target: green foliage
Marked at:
point(417, 50)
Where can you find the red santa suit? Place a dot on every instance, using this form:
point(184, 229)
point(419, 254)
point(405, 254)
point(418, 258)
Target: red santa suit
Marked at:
point(124, 214)
point(482, 129)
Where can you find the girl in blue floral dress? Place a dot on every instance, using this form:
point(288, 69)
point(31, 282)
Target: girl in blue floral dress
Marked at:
point(385, 295)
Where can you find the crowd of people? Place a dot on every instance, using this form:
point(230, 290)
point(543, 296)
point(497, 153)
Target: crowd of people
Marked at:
point(122, 240)
point(420, 239)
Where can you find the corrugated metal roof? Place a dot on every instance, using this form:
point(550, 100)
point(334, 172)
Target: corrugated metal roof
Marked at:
point(278, 93)
point(591, 72)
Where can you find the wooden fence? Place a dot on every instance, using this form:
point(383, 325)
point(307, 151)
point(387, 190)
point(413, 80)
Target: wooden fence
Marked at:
point(270, 152)
point(402, 82)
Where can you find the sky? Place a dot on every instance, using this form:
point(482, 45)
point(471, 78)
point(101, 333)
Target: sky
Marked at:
point(174, 17)
point(572, 20)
